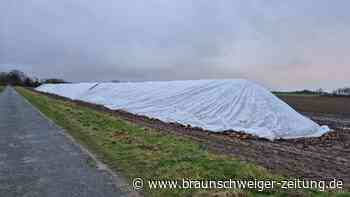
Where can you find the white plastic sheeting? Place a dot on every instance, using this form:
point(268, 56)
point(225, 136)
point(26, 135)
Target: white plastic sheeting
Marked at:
point(215, 105)
point(69, 90)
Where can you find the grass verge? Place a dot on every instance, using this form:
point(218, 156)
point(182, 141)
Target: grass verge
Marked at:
point(2, 88)
point(145, 153)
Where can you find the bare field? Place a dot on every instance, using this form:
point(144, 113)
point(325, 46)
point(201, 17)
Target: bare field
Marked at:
point(319, 105)
point(331, 111)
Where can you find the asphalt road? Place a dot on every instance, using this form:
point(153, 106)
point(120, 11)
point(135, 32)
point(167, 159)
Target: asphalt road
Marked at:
point(37, 160)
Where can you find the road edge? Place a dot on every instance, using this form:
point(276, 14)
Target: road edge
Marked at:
point(119, 180)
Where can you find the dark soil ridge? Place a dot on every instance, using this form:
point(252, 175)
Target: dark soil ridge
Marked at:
point(323, 158)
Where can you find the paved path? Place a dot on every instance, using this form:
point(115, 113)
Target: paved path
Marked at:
point(37, 160)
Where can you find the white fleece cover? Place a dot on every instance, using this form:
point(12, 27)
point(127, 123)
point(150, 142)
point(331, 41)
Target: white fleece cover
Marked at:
point(215, 105)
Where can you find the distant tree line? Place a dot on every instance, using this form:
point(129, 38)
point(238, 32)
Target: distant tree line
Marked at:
point(19, 78)
point(300, 92)
point(342, 92)
point(337, 92)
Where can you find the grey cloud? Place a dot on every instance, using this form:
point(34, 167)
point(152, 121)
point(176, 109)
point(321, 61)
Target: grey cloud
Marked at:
point(282, 44)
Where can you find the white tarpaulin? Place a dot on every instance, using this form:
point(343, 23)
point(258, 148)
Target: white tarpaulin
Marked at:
point(215, 105)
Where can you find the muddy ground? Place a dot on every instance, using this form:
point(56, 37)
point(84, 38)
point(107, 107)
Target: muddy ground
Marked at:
point(335, 106)
point(323, 158)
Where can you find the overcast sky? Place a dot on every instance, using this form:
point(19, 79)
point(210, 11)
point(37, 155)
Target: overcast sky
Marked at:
point(283, 45)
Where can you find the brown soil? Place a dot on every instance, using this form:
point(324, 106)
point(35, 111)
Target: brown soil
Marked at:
point(338, 106)
point(323, 158)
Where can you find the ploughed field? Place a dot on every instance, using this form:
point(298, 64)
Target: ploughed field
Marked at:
point(333, 111)
point(324, 158)
point(320, 105)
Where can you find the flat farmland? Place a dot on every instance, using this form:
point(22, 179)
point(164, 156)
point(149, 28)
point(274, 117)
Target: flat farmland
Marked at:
point(320, 105)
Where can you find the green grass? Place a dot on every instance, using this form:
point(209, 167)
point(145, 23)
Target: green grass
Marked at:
point(142, 152)
point(2, 88)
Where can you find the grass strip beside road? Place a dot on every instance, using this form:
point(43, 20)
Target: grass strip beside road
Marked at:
point(151, 155)
point(2, 88)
